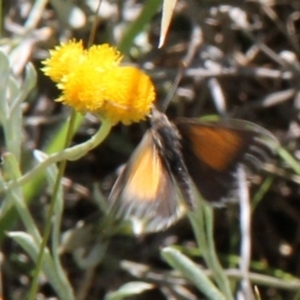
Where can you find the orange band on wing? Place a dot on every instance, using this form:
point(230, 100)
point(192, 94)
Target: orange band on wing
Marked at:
point(145, 174)
point(216, 147)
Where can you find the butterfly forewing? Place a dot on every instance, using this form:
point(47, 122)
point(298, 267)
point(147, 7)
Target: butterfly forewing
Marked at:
point(145, 188)
point(212, 153)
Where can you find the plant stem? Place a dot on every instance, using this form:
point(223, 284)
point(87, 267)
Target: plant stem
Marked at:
point(100, 135)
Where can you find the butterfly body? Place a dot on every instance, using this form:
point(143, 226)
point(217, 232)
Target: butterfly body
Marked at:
point(168, 142)
point(175, 158)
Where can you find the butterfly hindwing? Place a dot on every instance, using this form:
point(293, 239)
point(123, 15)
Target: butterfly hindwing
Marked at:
point(212, 153)
point(145, 188)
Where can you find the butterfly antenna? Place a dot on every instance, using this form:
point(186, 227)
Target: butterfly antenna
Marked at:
point(95, 24)
point(175, 84)
point(195, 42)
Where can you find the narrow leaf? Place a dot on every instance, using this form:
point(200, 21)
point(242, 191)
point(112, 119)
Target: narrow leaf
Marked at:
point(168, 8)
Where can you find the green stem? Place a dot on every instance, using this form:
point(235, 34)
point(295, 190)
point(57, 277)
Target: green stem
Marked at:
point(72, 154)
point(16, 197)
point(37, 270)
point(214, 264)
point(202, 223)
point(289, 159)
point(1, 17)
point(192, 272)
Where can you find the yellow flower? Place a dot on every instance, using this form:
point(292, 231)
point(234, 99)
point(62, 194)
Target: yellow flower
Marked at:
point(104, 56)
point(128, 94)
point(93, 81)
point(81, 89)
point(63, 59)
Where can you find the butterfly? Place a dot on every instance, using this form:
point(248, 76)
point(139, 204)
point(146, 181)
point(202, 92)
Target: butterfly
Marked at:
point(175, 159)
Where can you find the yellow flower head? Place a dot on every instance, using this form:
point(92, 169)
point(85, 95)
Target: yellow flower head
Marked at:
point(63, 59)
point(128, 94)
point(104, 56)
point(81, 89)
point(93, 81)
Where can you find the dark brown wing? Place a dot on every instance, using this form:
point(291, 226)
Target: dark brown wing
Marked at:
point(145, 188)
point(212, 153)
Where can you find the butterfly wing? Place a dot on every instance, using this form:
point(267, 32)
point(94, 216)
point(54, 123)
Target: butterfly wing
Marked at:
point(145, 188)
point(212, 153)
